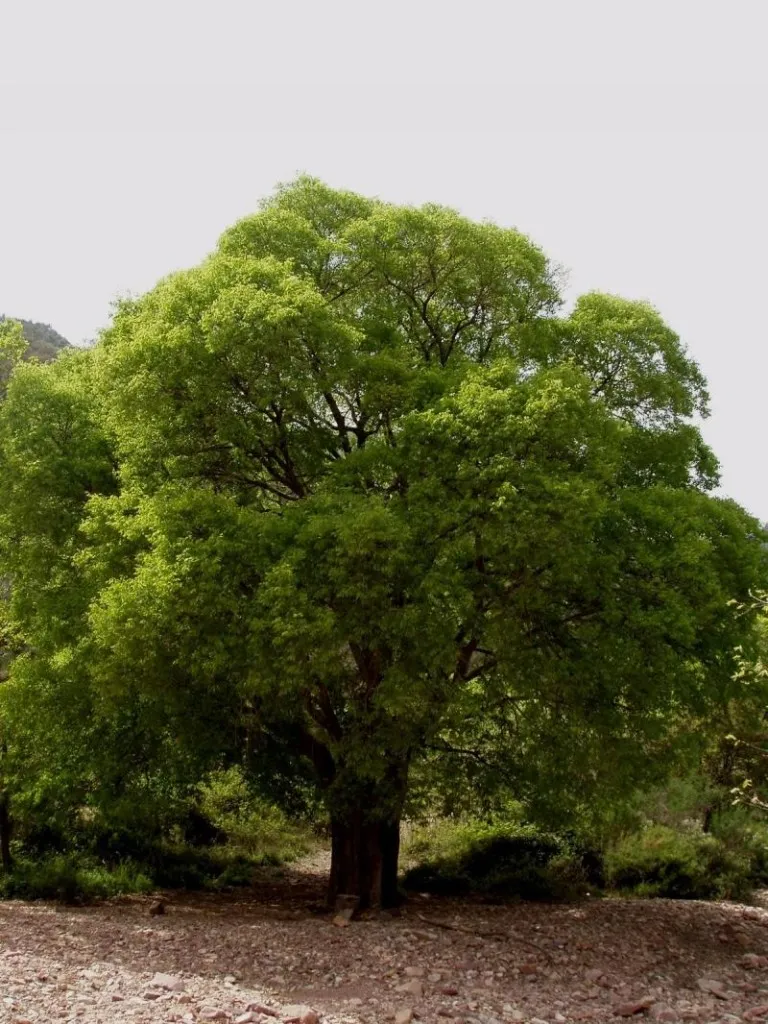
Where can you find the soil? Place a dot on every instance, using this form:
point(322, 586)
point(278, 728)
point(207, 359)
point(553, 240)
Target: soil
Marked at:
point(274, 949)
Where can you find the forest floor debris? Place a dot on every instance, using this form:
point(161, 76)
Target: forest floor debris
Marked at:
point(270, 955)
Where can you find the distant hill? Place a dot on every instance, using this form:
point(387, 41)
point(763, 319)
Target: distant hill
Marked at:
point(44, 342)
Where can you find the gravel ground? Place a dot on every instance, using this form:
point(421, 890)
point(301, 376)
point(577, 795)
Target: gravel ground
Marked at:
point(272, 956)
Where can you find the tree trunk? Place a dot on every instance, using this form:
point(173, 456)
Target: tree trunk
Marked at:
point(5, 834)
point(364, 858)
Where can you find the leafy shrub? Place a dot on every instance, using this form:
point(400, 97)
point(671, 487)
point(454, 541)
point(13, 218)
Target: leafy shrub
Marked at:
point(70, 879)
point(77, 878)
point(102, 857)
point(740, 831)
point(185, 867)
point(681, 803)
point(249, 824)
point(496, 862)
point(678, 864)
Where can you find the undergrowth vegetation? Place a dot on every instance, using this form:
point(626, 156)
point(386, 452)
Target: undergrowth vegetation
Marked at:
point(659, 849)
point(226, 835)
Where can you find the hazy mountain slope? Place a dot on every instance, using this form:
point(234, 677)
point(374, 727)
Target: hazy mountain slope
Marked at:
point(44, 342)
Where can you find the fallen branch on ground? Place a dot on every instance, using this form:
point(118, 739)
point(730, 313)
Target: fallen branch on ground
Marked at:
point(483, 935)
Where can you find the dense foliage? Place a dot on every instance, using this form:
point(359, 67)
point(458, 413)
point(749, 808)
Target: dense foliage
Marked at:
point(355, 507)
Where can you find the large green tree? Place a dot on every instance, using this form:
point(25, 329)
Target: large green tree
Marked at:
point(12, 347)
point(370, 498)
point(69, 745)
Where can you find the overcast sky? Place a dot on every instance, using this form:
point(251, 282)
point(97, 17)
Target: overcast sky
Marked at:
point(629, 138)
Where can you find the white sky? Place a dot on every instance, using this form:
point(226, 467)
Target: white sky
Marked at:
point(629, 138)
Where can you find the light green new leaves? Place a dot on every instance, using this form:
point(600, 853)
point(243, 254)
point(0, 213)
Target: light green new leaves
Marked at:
point(371, 496)
point(638, 365)
point(13, 345)
point(53, 455)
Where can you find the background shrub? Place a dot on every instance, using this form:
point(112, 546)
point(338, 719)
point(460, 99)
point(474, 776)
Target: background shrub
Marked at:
point(660, 861)
point(71, 879)
point(495, 861)
point(249, 824)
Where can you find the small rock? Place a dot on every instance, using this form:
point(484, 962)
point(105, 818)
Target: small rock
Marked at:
point(529, 969)
point(593, 975)
point(298, 1013)
point(415, 972)
point(404, 1016)
point(345, 909)
point(414, 988)
point(211, 1013)
point(248, 1018)
point(755, 1012)
point(750, 961)
point(664, 1013)
point(267, 1011)
point(712, 986)
point(449, 990)
point(167, 981)
point(630, 1009)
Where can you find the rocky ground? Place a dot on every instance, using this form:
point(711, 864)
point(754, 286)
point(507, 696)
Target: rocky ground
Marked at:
point(273, 957)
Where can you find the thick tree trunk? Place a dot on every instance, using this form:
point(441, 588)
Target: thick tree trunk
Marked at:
point(5, 834)
point(364, 858)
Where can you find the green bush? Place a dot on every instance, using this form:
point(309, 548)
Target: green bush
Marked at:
point(187, 867)
point(70, 879)
point(742, 832)
point(494, 861)
point(106, 858)
point(681, 803)
point(678, 864)
point(512, 861)
point(249, 824)
point(78, 878)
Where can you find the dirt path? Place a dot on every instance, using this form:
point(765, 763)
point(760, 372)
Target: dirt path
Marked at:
point(667, 961)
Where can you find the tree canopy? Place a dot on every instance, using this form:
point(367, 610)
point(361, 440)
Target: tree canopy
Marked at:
point(357, 495)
